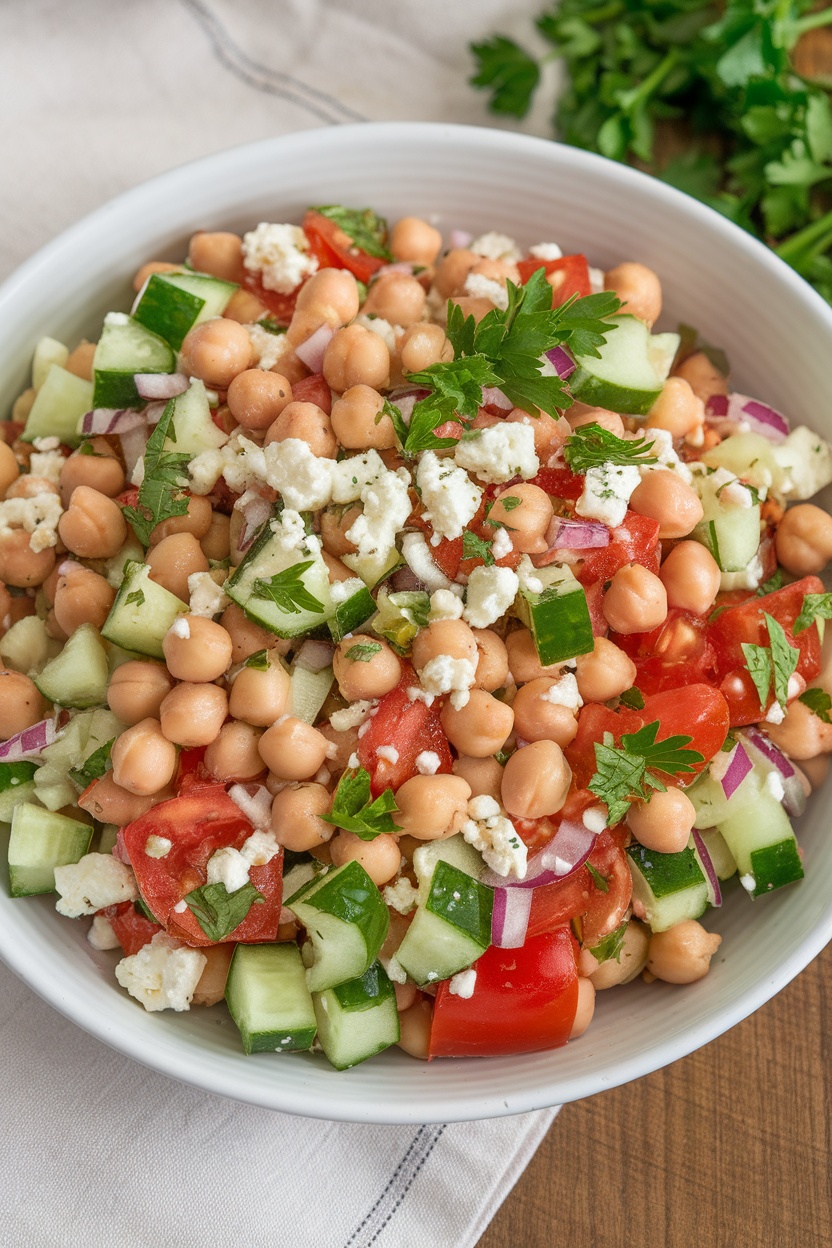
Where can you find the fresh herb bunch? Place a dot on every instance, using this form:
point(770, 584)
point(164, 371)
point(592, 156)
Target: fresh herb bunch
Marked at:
point(758, 136)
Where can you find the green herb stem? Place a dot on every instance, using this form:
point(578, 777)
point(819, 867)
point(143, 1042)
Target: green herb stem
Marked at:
point(808, 242)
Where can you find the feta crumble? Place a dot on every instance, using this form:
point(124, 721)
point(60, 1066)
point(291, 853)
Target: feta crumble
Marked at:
point(746, 578)
point(101, 934)
point(491, 591)
point(95, 881)
point(594, 819)
point(445, 604)
point(386, 510)
point(180, 628)
point(463, 984)
point(490, 831)
point(303, 479)
point(546, 251)
point(450, 497)
point(46, 464)
point(388, 752)
point(444, 674)
point(606, 493)
point(228, 866)
point(395, 971)
point(260, 848)
point(564, 692)
point(500, 452)
point(748, 882)
point(352, 716)
point(268, 348)
point(494, 246)
point(400, 896)
point(280, 255)
point(389, 334)
point(157, 846)
point(775, 714)
point(478, 286)
point(428, 763)
point(502, 544)
point(38, 515)
point(418, 558)
point(163, 975)
point(207, 597)
point(351, 476)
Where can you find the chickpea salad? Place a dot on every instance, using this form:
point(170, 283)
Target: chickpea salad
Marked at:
point(382, 613)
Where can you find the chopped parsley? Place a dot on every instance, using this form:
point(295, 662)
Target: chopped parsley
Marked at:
point(627, 773)
point(287, 590)
point(601, 882)
point(219, 912)
point(773, 663)
point(365, 228)
point(610, 946)
point(161, 494)
point(363, 652)
point(353, 809)
point(259, 661)
point(815, 607)
point(474, 547)
point(592, 446)
point(819, 703)
point(633, 698)
point(93, 767)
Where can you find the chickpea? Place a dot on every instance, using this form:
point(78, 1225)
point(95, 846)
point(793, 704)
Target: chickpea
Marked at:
point(20, 565)
point(261, 696)
point(538, 719)
point(356, 423)
point(803, 540)
point(666, 498)
point(144, 761)
point(110, 803)
point(549, 434)
point(526, 519)
point(220, 254)
point(216, 544)
point(336, 522)
point(638, 288)
point(406, 995)
point(703, 377)
point(193, 715)
point(82, 597)
point(444, 637)
point(210, 988)
point(9, 469)
point(234, 755)
point(28, 486)
point(631, 961)
point(610, 421)
point(452, 271)
point(691, 578)
point(677, 409)
point(397, 298)
point(196, 649)
point(380, 857)
point(6, 601)
point(415, 1024)
point(585, 1010)
point(605, 672)
point(636, 601)
point(802, 734)
point(365, 667)
point(100, 470)
point(93, 525)
point(536, 780)
point(153, 266)
point(483, 775)
point(173, 560)
point(432, 807)
point(816, 770)
point(415, 241)
point(523, 660)
point(337, 570)
point(422, 345)
point(196, 520)
point(664, 823)
point(292, 749)
point(21, 704)
point(245, 307)
point(683, 953)
point(329, 297)
point(247, 638)
point(79, 361)
point(216, 351)
point(356, 356)
point(137, 689)
point(479, 728)
point(492, 660)
point(256, 398)
point(310, 424)
point(296, 816)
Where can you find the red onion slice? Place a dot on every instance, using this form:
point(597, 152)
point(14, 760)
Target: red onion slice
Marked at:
point(405, 581)
point(459, 238)
point(315, 655)
point(492, 396)
point(154, 412)
point(738, 409)
point(562, 362)
point(510, 917)
point(111, 420)
point(133, 443)
point(709, 869)
point(766, 752)
point(256, 512)
point(161, 385)
point(256, 805)
point(577, 534)
point(311, 352)
point(395, 266)
point(566, 853)
point(737, 768)
point(30, 742)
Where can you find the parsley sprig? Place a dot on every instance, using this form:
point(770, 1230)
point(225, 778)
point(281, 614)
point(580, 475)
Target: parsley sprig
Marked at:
point(353, 809)
point(819, 703)
point(628, 772)
point(474, 547)
point(287, 590)
point(161, 494)
point(773, 663)
point(591, 446)
point(815, 607)
point(365, 228)
point(219, 912)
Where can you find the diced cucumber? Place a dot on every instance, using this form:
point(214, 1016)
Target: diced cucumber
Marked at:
point(27, 646)
point(59, 405)
point(731, 533)
point(124, 349)
point(762, 842)
point(558, 616)
point(450, 930)
point(85, 733)
point(191, 430)
point(107, 838)
point(267, 559)
point(268, 999)
point(346, 923)
point(171, 303)
point(350, 612)
point(747, 455)
point(400, 616)
point(373, 569)
point(142, 613)
point(667, 888)
point(358, 1019)
point(454, 850)
point(41, 841)
point(309, 691)
point(48, 351)
point(131, 552)
point(711, 804)
point(16, 786)
point(79, 675)
point(10, 799)
point(632, 368)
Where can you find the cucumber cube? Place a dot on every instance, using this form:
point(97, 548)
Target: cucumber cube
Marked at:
point(669, 887)
point(172, 303)
point(58, 407)
point(79, 675)
point(142, 613)
point(40, 841)
point(351, 612)
point(357, 1019)
point(558, 615)
point(346, 923)
point(451, 930)
point(124, 349)
point(268, 999)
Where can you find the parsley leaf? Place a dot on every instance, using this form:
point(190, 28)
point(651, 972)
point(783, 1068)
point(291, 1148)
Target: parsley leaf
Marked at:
point(509, 72)
point(592, 446)
point(758, 662)
point(353, 810)
point(625, 773)
point(633, 698)
point(599, 880)
point(610, 946)
point(365, 228)
point(815, 607)
point(93, 767)
point(819, 703)
point(363, 652)
point(165, 477)
point(259, 661)
point(136, 596)
point(460, 380)
point(474, 547)
point(773, 583)
point(272, 326)
point(219, 912)
point(287, 590)
point(776, 662)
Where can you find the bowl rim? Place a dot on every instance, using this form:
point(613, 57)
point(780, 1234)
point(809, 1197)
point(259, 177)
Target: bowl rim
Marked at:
point(467, 1105)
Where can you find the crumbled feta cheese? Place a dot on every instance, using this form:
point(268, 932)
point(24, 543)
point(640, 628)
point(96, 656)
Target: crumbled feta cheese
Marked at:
point(449, 496)
point(661, 448)
point(207, 597)
point(180, 628)
point(395, 971)
point(353, 761)
point(564, 692)
point(596, 280)
point(594, 819)
point(415, 694)
point(491, 591)
point(463, 984)
point(180, 907)
point(526, 574)
point(301, 477)
point(339, 592)
point(606, 493)
point(206, 468)
point(490, 831)
point(228, 866)
point(116, 318)
point(388, 752)
point(46, 464)
point(428, 763)
point(163, 975)
point(735, 494)
point(46, 444)
point(478, 286)
point(259, 848)
point(268, 348)
point(494, 246)
point(774, 786)
point(805, 460)
point(776, 714)
point(101, 934)
point(502, 544)
point(351, 716)
point(241, 462)
point(445, 605)
point(389, 334)
point(400, 896)
point(795, 686)
point(290, 532)
point(157, 846)
point(386, 510)
point(351, 476)
point(38, 515)
point(95, 881)
point(546, 251)
point(746, 578)
point(500, 452)
point(280, 255)
point(418, 558)
point(445, 674)
point(748, 882)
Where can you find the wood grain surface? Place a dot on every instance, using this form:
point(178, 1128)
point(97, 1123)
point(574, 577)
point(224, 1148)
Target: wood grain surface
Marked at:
point(728, 1148)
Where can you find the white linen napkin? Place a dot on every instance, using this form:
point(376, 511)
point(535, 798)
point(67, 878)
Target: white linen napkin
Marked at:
point(95, 97)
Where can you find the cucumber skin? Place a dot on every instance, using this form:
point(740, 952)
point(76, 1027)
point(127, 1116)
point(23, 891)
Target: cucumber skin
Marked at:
point(79, 675)
point(257, 978)
point(351, 905)
point(48, 841)
point(596, 392)
point(357, 1019)
point(685, 891)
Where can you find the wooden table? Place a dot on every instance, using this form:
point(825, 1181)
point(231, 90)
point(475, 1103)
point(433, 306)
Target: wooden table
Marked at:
point(728, 1148)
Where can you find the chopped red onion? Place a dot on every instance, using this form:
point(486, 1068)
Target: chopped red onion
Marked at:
point(459, 238)
point(256, 512)
point(577, 534)
point(396, 266)
point(562, 362)
point(738, 767)
point(733, 410)
point(765, 751)
point(119, 850)
point(709, 869)
point(567, 851)
point(315, 655)
point(30, 742)
point(161, 385)
point(256, 805)
point(510, 917)
point(154, 412)
point(406, 580)
point(133, 442)
point(492, 396)
point(311, 352)
point(717, 406)
point(111, 420)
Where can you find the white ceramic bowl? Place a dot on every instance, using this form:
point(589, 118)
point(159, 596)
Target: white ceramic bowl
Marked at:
point(778, 334)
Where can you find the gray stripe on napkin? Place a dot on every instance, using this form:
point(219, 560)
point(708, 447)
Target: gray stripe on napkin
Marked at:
point(399, 1184)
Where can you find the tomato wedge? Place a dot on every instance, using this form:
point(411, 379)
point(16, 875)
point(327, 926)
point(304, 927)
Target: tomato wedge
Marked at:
point(132, 930)
point(596, 910)
point(636, 540)
point(313, 389)
point(281, 307)
point(412, 727)
point(197, 823)
point(335, 250)
point(524, 1000)
point(567, 276)
point(676, 654)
